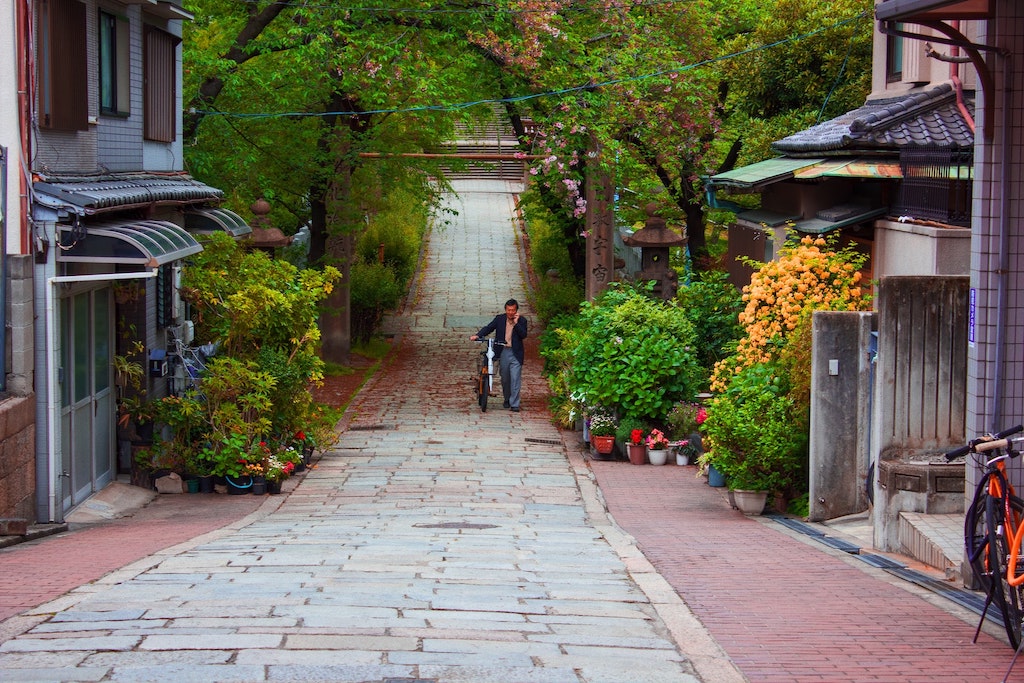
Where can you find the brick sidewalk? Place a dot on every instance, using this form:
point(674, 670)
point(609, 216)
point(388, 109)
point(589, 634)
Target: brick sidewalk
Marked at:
point(785, 609)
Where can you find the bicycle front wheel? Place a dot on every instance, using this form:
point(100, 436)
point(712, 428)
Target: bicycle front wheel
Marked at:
point(484, 389)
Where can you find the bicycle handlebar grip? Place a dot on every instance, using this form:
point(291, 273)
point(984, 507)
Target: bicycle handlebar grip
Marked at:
point(1010, 432)
point(982, 445)
point(992, 445)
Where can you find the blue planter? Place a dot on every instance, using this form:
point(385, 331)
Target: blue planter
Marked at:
point(715, 478)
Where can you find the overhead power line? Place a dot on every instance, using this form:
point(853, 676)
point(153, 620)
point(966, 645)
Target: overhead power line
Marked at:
point(531, 96)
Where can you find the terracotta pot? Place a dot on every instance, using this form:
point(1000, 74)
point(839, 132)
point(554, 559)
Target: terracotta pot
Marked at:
point(637, 453)
point(603, 444)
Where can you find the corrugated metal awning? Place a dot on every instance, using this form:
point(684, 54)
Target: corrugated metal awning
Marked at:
point(838, 217)
point(762, 173)
point(143, 243)
point(207, 221)
point(851, 168)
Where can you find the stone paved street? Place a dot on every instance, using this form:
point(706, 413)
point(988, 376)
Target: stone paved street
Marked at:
point(436, 542)
point(440, 544)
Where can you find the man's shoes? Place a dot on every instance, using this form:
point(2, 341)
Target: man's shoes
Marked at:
point(515, 409)
point(505, 405)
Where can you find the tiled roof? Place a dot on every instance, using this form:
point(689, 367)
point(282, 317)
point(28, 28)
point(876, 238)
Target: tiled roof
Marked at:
point(930, 118)
point(95, 194)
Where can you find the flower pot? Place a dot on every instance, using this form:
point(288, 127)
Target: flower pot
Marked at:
point(715, 478)
point(682, 459)
point(750, 502)
point(657, 456)
point(239, 486)
point(273, 487)
point(603, 444)
point(259, 486)
point(193, 485)
point(206, 484)
point(637, 453)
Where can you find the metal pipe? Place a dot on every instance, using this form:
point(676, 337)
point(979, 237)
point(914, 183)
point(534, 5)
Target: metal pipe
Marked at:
point(52, 406)
point(1003, 272)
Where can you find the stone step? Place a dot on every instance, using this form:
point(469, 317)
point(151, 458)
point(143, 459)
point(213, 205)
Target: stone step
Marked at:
point(937, 540)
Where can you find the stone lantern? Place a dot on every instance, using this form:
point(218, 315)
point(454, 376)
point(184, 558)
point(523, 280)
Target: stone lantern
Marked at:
point(654, 240)
point(263, 235)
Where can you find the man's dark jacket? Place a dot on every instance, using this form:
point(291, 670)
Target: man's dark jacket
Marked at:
point(518, 334)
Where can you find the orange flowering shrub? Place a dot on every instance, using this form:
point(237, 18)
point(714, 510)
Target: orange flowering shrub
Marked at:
point(810, 275)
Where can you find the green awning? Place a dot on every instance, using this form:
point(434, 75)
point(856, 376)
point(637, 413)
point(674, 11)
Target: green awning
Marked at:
point(755, 176)
point(837, 217)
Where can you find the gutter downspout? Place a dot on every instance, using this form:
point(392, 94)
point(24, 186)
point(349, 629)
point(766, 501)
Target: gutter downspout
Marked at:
point(52, 404)
point(1003, 273)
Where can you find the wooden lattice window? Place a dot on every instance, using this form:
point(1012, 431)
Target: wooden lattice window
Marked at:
point(160, 86)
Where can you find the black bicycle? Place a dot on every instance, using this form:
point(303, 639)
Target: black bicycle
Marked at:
point(993, 530)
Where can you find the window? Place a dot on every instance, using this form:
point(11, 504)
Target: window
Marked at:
point(894, 56)
point(63, 86)
point(160, 94)
point(114, 76)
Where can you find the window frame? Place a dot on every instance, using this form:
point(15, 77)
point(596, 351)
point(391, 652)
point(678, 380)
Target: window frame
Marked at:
point(114, 64)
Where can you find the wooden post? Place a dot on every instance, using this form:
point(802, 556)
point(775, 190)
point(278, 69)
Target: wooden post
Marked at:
point(600, 222)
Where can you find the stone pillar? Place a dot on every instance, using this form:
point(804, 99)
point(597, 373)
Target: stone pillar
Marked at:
point(600, 220)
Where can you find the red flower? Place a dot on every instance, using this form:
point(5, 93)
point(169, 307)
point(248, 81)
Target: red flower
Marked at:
point(702, 414)
point(636, 435)
point(300, 436)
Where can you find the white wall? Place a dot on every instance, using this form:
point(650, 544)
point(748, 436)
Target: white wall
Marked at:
point(9, 136)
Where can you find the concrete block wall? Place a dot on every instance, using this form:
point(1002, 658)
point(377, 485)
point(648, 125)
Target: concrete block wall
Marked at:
point(17, 458)
point(20, 328)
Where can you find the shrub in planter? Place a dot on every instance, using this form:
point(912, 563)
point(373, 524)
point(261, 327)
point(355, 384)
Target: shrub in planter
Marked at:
point(756, 434)
point(634, 353)
point(374, 289)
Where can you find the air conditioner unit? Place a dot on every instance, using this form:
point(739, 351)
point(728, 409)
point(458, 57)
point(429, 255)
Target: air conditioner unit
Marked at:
point(188, 332)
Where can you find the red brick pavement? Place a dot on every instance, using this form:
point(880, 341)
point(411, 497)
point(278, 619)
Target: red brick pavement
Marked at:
point(783, 609)
point(51, 566)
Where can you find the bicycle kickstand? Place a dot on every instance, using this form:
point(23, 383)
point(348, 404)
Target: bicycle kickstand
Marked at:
point(984, 611)
point(1013, 661)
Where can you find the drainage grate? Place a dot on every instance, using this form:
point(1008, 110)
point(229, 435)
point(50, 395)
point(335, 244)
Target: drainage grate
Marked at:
point(881, 562)
point(456, 525)
point(840, 544)
point(369, 428)
point(968, 599)
point(547, 442)
point(795, 525)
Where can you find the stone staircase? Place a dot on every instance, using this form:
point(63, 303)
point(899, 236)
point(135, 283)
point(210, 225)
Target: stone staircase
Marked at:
point(493, 137)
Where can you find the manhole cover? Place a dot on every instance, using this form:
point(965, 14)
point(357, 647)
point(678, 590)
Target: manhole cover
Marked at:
point(456, 525)
point(369, 428)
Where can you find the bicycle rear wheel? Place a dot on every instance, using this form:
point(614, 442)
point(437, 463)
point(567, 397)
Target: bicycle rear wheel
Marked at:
point(1012, 615)
point(987, 551)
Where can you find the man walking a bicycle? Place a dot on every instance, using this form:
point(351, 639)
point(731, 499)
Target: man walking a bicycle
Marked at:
point(510, 329)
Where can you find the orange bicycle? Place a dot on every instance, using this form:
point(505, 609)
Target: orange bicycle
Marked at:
point(993, 531)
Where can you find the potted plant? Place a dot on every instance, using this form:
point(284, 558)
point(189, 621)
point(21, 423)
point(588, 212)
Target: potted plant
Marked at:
point(757, 435)
point(602, 433)
point(657, 447)
point(630, 434)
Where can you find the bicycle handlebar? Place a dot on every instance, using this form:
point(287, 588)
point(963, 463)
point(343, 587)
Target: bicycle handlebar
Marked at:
point(986, 443)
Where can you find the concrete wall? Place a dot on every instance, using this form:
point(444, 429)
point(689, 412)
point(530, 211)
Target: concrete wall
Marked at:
point(910, 249)
point(20, 326)
point(920, 396)
point(17, 458)
point(841, 373)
